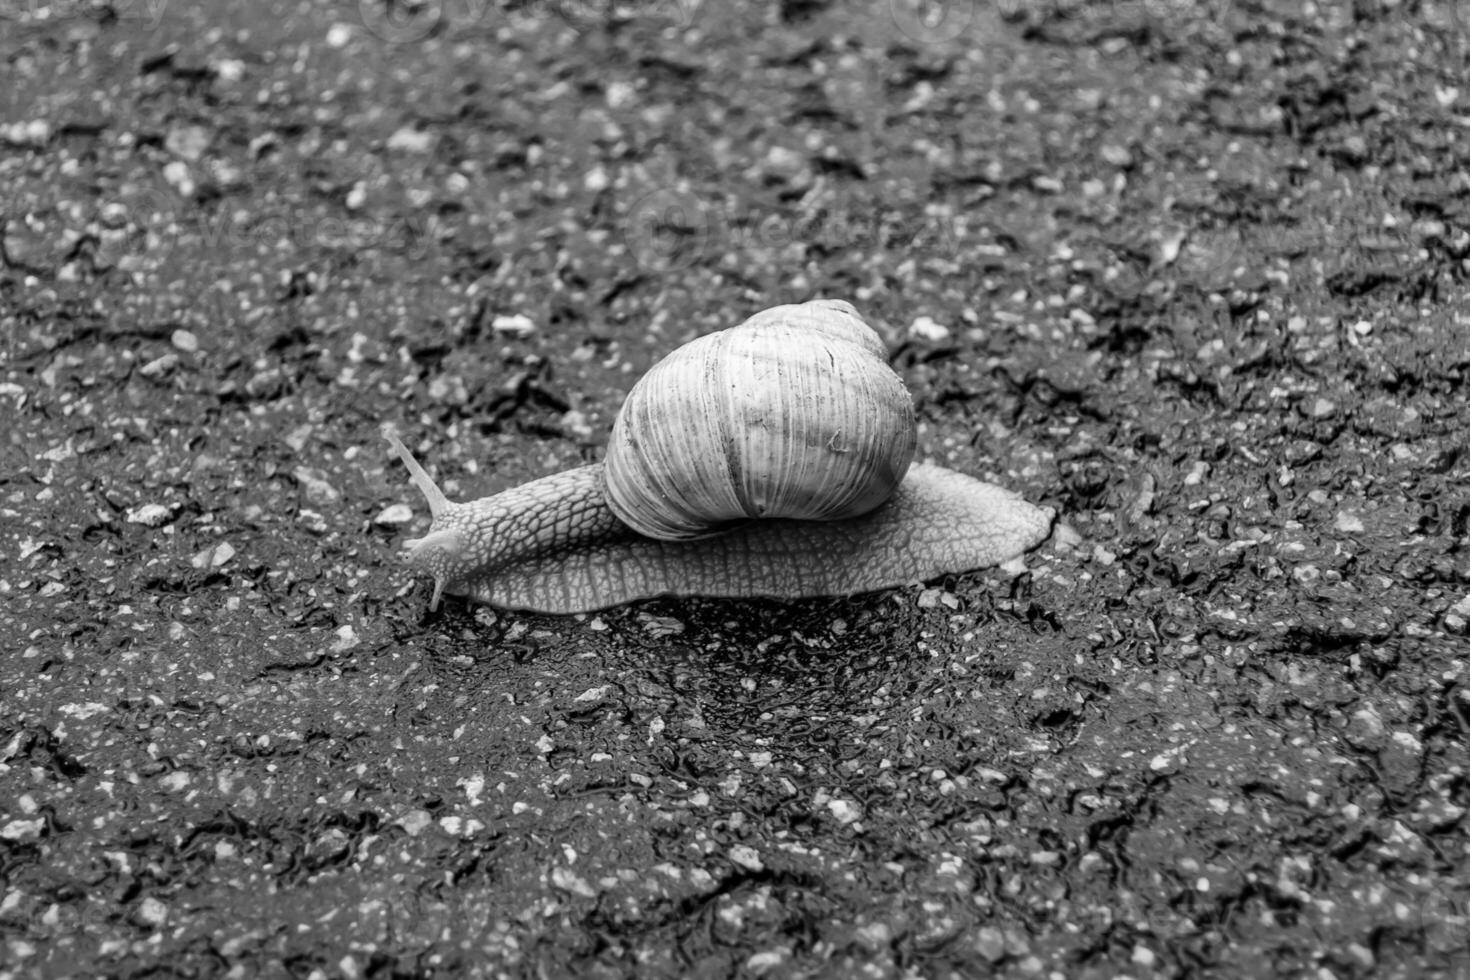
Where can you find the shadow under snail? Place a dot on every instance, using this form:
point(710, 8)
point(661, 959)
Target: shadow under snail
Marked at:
point(769, 459)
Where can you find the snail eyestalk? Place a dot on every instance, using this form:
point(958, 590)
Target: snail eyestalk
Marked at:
point(435, 498)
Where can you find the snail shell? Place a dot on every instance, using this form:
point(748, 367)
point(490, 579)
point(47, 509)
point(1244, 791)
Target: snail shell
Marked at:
point(794, 413)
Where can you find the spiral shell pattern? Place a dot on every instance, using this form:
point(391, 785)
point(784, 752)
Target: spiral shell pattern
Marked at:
point(795, 413)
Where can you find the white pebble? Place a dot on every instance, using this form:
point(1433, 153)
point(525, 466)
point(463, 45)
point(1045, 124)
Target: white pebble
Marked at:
point(393, 515)
point(213, 557)
point(152, 912)
point(415, 822)
point(619, 94)
point(569, 881)
point(926, 328)
point(746, 857)
point(229, 70)
point(516, 324)
point(177, 174)
point(411, 140)
point(150, 514)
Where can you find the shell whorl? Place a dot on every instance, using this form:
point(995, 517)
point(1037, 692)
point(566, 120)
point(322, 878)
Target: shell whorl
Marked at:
point(794, 413)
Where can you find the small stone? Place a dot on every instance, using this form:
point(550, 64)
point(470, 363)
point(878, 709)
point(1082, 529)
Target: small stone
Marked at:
point(990, 943)
point(660, 625)
point(620, 93)
point(927, 329)
point(298, 437)
point(22, 829)
point(34, 132)
point(760, 963)
point(152, 912)
point(569, 881)
point(176, 173)
point(1306, 573)
point(516, 324)
point(346, 639)
point(1348, 522)
point(746, 857)
point(1322, 408)
point(159, 366)
point(1429, 228)
point(393, 515)
point(843, 811)
point(185, 341)
point(213, 557)
point(1117, 156)
point(783, 160)
point(188, 141)
point(339, 35)
point(1365, 728)
point(411, 140)
point(415, 822)
point(315, 486)
point(176, 781)
point(150, 515)
point(1354, 148)
point(574, 424)
point(229, 70)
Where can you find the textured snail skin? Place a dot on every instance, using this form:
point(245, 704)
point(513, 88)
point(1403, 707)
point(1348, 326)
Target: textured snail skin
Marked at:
point(553, 545)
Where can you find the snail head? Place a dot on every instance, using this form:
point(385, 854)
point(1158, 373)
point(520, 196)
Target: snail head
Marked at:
point(445, 552)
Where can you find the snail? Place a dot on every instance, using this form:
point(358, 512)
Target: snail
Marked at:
point(773, 458)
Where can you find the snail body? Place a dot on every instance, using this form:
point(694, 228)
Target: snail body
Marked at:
point(566, 543)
